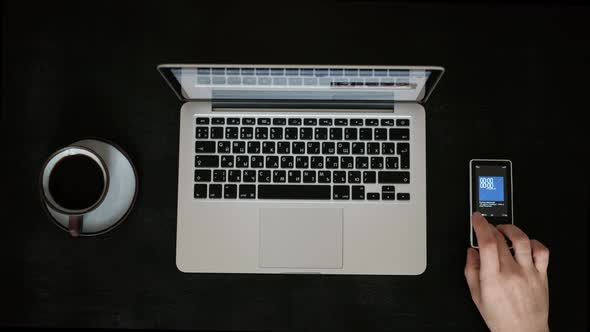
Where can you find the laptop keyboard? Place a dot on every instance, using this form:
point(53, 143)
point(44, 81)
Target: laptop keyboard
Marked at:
point(301, 158)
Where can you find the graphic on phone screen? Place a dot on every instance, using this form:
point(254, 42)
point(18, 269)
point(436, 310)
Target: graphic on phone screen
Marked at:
point(491, 190)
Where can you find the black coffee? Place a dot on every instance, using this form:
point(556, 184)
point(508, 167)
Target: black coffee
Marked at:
point(76, 182)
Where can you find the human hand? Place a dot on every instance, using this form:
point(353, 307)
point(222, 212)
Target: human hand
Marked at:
point(510, 292)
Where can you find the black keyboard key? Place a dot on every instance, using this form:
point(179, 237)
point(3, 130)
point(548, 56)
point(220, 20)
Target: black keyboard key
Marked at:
point(321, 134)
point(341, 192)
point(358, 148)
point(358, 192)
point(246, 133)
point(247, 191)
point(309, 176)
point(293, 191)
point(377, 162)
point(291, 133)
point(343, 147)
point(219, 175)
point(305, 134)
point(394, 177)
point(380, 134)
point(223, 147)
point(372, 122)
point(346, 162)
point(261, 133)
point(287, 162)
point(366, 134)
point(272, 162)
point(264, 176)
point(248, 121)
point(313, 147)
point(249, 176)
point(263, 121)
point(298, 148)
point(230, 191)
point(402, 123)
point(387, 122)
point(362, 162)
point(202, 133)
point(257, 161)
point(279, 121)
point(354, 177)
point(325, 122)
point(253, 147)
point(341, 122)
point(215, 190)
point(403, 149)
point(227, 161)
point(242, 161)
point(399, 134)
point(276, 133)
point(294, 122)
point(336, 134)
point(369, 177)
point(388, 196)
point(332, 162)
point(294, 176)
point(202, 161)
point(283, 147)
point(239, 147)
point(200, 191)
point(317, 162)
point(310, 122)
point(233, 121)
point(234, 175)
point(231, 132)
point(403, 196)
point(217, 121)
point(202, 175)
point(350, 134)
point(202, 121)
point(204, 147)
point(373, 196)
point(302, 162)
point(356, 122)
point(216, 132)
point(388, 148)
point(324, 177)
point(339, 177)
point(391, 163)
point(279, 176)
point(268, 147)
point(328, 148)
point(373, 148)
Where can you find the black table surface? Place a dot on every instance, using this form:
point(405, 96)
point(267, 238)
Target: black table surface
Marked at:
point(515, 87)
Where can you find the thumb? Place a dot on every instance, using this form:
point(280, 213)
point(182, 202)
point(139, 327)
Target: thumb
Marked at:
point(472, 274)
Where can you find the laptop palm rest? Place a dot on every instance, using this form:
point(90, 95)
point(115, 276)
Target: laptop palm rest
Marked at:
point(301, 238)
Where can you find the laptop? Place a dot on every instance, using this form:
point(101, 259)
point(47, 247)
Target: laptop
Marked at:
point(301, 168)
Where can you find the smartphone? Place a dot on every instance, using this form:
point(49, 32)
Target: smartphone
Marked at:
point(490, 192)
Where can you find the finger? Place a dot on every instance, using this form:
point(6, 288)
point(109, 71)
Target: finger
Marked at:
point(506, 259)
point(472, 273)
point(488, 247)
point(520, 243)
point(540, 256)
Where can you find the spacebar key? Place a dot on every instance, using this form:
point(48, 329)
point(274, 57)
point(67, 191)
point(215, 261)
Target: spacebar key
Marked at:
point(271, 191)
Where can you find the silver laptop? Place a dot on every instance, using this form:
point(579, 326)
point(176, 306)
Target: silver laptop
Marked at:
point(302, 169)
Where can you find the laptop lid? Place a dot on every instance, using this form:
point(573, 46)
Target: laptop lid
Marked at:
point(301, 84)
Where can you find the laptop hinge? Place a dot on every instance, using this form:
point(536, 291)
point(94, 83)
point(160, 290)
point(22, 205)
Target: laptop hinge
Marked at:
point(328, 106)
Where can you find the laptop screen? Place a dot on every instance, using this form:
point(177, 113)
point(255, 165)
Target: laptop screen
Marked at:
point(301, 83)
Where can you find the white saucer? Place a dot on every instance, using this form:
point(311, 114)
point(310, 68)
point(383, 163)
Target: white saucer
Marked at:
point(120, 196)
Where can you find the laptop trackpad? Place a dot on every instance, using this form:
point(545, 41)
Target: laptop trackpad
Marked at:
point(301, 238)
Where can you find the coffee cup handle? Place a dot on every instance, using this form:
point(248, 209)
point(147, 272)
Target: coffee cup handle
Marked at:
point(75, 225)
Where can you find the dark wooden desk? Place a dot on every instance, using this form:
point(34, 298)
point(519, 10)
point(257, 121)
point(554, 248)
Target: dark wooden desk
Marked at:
point(515, 86)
